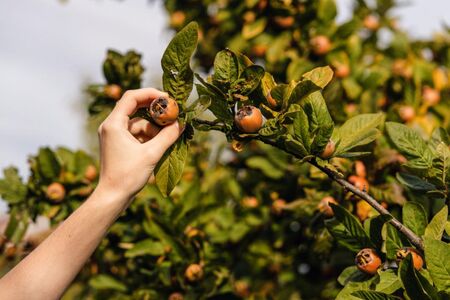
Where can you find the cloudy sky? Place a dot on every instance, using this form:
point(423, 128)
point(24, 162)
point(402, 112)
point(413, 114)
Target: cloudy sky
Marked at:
point(49, 50)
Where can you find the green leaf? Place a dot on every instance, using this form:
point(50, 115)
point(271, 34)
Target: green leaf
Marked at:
point(410, 143)
point(252, 29)
point(347, 230)
point(164, 234)
point(375, 225)
point(351, 87)
point(12, 190)
point(295, 146)
point(178, 77)
point(48, 164)
point(265, 166)
point(267, 83)
point(319, 76)
point(389, 282)
point(106, 282)
point(415, 217)
point(320, 123)
point(146, 247)
point(373, 295)
point(218, 105)
point(437, 256)
point(226, 68)
point(414, 182)
point(249, 80)
point(416, 286)
point(81, 162)
point(326, 10)
point(301, 128)
point(346, 292)
point(303, 89)
point(169, 169)
point(357, 131)
point(351, 274)
point(17, 224)
point(393, 241)
point(198, 107)
point(436, 227)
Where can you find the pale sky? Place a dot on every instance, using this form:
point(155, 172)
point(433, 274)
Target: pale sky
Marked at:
point(49, 50)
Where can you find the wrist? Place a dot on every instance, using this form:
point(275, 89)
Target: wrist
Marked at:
point(111, 196)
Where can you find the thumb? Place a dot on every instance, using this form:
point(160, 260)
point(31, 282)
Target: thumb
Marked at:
point(163, 140)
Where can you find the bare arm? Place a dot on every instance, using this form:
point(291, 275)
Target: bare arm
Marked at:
point(126, 165)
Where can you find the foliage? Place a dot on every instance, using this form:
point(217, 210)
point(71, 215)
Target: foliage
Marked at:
point(253, 220)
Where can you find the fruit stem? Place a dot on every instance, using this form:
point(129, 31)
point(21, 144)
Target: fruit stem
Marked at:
point(410, 235)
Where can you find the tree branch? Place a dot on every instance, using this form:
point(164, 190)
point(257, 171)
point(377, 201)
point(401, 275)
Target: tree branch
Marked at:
point(212, 125)
point(412, 237)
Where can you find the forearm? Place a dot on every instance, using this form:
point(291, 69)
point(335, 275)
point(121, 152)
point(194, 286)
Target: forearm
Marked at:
point(49, 269)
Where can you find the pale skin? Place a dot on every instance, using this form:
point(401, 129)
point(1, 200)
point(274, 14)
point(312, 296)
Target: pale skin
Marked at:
point(129, 152)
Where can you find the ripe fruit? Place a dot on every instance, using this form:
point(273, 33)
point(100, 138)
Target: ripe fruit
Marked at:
point(324, 206)
point(406, 113)
point(401, 67)
point(194, 272)
point(248, 119)
point(113, 91)
point(359, 182)
point(177, 19)
point(272, 101)
point(368, 261)
point(56, 192)
point(329, 150)
point(430, 96)
point(262, 4)
point(320, 44)
point(342, 71)
point(259, 50)
point(278, 206)
point(284, 22)
point(371, 22)
point(360, 169)
point(249, 16)
point(10, 250)
point(250, 202)
point(237, 146)
point(241, 288)
point(164, 111)
point(192, 232)
point(416, 257)
point(90, 173)
point(176, 296)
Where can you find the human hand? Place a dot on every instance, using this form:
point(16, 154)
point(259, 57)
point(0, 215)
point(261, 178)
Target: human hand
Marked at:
point(130, 149)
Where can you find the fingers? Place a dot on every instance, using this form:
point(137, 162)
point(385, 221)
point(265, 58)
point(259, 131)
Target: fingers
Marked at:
point(142, 129)
point(163, 140)
point(132, 100)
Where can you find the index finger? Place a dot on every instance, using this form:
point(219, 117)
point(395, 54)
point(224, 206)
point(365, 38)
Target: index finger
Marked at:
point(133, 99)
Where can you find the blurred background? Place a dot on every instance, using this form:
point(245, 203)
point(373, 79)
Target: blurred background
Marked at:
point(49, 50)
point(255, 223)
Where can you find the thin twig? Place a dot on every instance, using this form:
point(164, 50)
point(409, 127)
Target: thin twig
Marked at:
point(412, 237)
point(212, 124)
